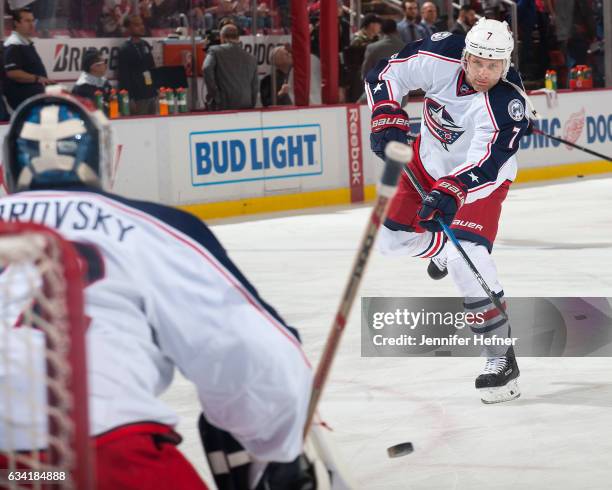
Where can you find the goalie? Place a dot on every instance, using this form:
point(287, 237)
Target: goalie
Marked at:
point(161, 294)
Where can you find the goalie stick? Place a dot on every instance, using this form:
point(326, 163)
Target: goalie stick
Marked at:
point(226, 457)
point(396, 155)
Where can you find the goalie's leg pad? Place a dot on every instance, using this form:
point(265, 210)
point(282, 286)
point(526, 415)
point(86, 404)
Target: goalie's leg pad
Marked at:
point(228, 460)
point(317, 468)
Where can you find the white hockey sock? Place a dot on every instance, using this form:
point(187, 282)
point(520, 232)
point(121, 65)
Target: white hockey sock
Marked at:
point(399, 242)
point(464, 278)
point(475, 299)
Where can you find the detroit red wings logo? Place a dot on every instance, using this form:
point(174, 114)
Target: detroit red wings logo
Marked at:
point(572, 129)
point(440, 123)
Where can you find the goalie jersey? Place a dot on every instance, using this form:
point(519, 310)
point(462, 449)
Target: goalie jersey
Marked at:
point(471, 135)
point(163, 293)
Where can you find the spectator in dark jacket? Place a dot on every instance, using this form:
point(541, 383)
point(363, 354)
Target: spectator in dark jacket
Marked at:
point(135, 65)
point(465, 20)
point(230, 74)
point(429, 16)
point(389, 43)
point(25, 73)
point(408, 28)
point(282, 62)
point(92, 77)
point(355, 54)
point(4, 114)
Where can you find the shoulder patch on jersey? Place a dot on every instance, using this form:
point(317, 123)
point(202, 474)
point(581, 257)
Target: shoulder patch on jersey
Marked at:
point(438, 36)
point(516, 109)
point(446, 44)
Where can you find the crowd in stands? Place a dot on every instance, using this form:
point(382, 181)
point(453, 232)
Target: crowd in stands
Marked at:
point(230, 73)
point(105, 18)
point(557, 34)
point(553, 34)
point(24, 74)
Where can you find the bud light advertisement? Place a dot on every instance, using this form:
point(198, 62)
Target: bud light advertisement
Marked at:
point(260, 153)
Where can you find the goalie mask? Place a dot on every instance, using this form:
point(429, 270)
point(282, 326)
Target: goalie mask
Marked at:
point(54, 140)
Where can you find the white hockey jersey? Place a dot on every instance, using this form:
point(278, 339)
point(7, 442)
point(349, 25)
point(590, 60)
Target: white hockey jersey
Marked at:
point(464, 133)
point(162, 293)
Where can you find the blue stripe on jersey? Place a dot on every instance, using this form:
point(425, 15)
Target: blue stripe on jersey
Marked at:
point(472, 237)
point(395, 226)
point(194, 228)
point(501, 100)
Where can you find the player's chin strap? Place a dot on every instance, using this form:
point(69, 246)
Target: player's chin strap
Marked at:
point(531, 113)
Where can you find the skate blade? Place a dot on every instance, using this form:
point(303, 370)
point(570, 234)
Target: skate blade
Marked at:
point(510, 391)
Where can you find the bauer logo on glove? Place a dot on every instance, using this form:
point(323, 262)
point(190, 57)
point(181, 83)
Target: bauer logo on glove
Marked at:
point(444, 200)
point(382, 122)
point(389, 123)
point(454, 190)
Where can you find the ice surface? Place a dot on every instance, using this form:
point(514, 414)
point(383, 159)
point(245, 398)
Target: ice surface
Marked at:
point(554, 240)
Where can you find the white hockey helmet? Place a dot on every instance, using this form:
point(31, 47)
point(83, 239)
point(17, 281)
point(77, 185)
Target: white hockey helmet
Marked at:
point(490, 39)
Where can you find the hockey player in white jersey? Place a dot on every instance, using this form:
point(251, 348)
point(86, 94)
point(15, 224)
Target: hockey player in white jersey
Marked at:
point(161, 294)
point(473, 119)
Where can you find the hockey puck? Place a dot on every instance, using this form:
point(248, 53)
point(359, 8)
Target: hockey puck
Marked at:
point(400, 450)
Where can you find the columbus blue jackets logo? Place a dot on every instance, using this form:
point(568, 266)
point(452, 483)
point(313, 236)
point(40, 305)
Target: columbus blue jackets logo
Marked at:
point(516, 110)
point(440, 123)
point(438, 36)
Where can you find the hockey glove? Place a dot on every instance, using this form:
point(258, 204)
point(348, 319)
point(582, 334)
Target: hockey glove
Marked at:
point(389, 123)
point(446, 197)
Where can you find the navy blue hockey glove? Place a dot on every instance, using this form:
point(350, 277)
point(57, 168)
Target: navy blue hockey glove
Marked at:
point(389, 123)
point(446, 197)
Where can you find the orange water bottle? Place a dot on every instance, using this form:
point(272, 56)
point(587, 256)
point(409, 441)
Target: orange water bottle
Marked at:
point(113, 105)
point(163, 102)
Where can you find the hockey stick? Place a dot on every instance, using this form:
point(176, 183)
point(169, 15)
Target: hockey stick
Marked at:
point(396, 154)
point(569, 143)
point(451, 236)
point(115, 167)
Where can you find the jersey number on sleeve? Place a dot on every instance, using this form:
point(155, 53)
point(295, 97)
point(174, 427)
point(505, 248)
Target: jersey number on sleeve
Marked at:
point(516, 130)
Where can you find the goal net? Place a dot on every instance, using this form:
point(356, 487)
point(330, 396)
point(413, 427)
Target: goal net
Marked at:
point(44, 439)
